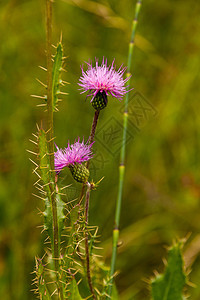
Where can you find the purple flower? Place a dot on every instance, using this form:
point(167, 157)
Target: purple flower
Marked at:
point(73, 154)
point(105, 79)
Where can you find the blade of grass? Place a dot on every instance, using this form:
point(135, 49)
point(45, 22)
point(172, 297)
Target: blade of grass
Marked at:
point(122, 155)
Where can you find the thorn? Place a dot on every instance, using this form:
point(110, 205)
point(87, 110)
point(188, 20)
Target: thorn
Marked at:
point(46, 243)
point(63, 70)
point(40, 213)
point(37, 181)
point(38, 128)
point(40, 97)
point(35, 136)
point(39, 105)
point(146, 280)
point(65, 187)
point(48, 131)
point(77, 264)
point(97, 248)
point(156, 273)
point(38, 197)
point(193, 285)
point(62, 194)
point(96, 255)
point(54, 292)
point(40, 226)
point(33, 162)
point(61, 37)
point(41, 191)
point(63, 93)
point(34, 171)
point(51, 140)
point(31, 152)
point(65, 82)
point(41, 83)
point(32, 141)
point(164, 261)
point(42, 68)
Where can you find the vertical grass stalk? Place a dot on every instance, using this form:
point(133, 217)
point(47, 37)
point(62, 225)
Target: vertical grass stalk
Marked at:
point(55, 250)
point(122, 154)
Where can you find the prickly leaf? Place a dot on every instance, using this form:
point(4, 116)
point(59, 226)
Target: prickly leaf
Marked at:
point(169, 286)
point(40, 281)
point(73, 290)
point(48, 218)
point(56, 80)
point(44, 162)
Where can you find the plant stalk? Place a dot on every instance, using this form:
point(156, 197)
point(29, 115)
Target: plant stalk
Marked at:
point(87, 254)
point(122, 155)
point(90, 141)
point(56, 246)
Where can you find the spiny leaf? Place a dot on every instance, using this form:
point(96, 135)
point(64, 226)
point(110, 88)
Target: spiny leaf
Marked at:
point(44, 162)
point(56, 78)
point(73, 290)
point(60, 214)
point(56, 73)
point(40, 281)
point(92, 241)
point(48, 218)
point(169, 286)
point(71, 241)
point(50, 188)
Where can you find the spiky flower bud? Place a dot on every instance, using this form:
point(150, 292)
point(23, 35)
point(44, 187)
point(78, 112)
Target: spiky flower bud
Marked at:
point(79, 172)
point(100, 101)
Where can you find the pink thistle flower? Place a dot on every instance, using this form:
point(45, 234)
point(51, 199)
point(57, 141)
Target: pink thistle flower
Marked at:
point(76, 153)
point(103, 79)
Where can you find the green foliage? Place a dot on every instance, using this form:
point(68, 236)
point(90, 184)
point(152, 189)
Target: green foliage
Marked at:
point(40, 281)
point(56, 74)
point(73, 291)
point(46, 178)
point(169, 286)
point(44, 162)
point(72, 236)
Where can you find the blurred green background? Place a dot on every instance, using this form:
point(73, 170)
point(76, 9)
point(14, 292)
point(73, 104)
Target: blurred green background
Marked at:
point(161, 195)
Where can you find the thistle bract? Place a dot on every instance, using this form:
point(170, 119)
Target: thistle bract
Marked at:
point(100, 101)
point(101, 81)
point(79, 172)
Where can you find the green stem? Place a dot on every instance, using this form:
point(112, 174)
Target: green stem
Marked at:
point(122, 155)
point(90, 141)
point(87, 254)
point(56, 246)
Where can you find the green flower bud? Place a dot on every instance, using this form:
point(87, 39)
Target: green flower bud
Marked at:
point(100, 101)
point(79, 172)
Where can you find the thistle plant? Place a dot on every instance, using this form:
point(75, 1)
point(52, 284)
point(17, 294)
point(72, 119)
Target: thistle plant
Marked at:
point(70, 259)
point(100, 82)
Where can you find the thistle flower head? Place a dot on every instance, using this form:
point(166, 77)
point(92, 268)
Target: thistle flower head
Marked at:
point(103, 79)
point(76, 153)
